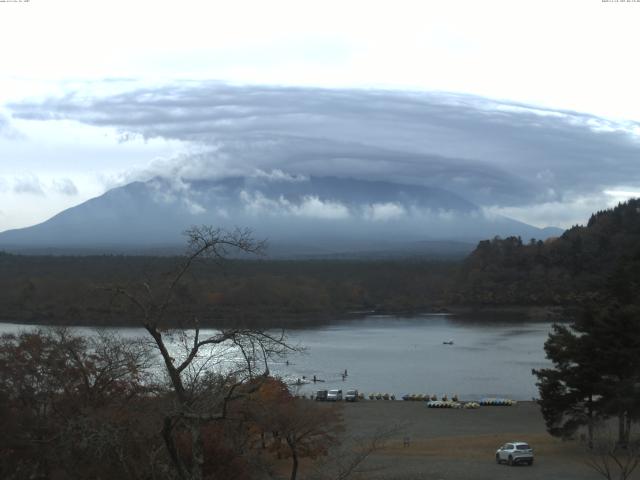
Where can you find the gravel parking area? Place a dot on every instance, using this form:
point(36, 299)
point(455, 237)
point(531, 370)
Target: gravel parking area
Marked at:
point(460, 444)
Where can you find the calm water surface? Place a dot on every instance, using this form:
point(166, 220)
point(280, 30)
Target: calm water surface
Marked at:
point(407, 355)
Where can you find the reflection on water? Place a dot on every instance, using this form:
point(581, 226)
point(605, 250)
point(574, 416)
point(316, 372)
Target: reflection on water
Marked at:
point(406, 355)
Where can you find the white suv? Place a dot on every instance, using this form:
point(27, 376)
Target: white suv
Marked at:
point(514, 453)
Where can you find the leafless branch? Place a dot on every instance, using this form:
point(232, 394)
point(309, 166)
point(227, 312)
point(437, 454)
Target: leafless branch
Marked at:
point(612, 460)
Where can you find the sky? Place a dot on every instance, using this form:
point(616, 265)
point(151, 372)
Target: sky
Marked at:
point(529, 109)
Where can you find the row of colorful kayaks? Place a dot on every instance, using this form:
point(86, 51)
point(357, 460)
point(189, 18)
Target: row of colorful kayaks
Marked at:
point(451, 404)
point(497, 402)
point(433, 402)
point(494, 402)
point(489, 401)
point(419, 397)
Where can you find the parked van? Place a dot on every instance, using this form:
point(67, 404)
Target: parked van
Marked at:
point(334, 395)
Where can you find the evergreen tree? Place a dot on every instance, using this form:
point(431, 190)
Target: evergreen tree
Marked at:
point(568, 390)
point(596, 371)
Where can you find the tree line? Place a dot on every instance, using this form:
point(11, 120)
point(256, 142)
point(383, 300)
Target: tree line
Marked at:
point(71, 290)
point(567, 270)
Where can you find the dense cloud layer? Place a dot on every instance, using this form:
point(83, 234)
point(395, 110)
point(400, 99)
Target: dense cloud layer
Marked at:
point(494, 153)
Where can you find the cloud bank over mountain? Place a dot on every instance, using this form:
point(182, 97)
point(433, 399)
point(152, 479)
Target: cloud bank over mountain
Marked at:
point(501, 155)
point(541, 166)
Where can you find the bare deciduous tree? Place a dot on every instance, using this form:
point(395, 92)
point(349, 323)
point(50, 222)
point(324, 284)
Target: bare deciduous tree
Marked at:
point(304, 429)
point(349, 459)
point(206, 369)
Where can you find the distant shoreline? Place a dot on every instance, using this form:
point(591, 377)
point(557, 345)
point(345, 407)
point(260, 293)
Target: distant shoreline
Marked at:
point(507, 313)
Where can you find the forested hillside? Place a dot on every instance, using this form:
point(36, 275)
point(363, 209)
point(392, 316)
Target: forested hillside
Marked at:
point(77, 290)
point(584, 262)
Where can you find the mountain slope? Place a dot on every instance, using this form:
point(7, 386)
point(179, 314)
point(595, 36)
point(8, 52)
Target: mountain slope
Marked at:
point(299, 216)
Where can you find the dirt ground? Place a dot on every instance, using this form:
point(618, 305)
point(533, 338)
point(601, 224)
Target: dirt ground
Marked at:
point(460, 444)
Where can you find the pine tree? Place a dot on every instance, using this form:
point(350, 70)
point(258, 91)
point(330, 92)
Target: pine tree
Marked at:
point(596, 373)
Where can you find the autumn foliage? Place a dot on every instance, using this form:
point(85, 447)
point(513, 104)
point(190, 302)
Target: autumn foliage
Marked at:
point(76, 407)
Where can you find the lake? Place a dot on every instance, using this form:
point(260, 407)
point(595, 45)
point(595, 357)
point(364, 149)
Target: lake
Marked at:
point(406, 355)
